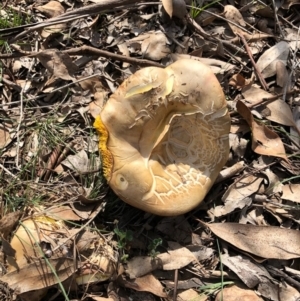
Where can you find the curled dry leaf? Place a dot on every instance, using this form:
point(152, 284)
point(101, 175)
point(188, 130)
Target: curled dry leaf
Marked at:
point(99, 266)
point(63, 212)
point(282, 75)
point(237, 293)
point(96, 297)
point(232, 14)
point(8, 222)
point(264, 141)
point(4, 136)
point(243, 188)
point(268, 60)
point(279, 111)
point(57, 63)
point(288, 292)
point(168, 6)
point(267, 242)
point(176, 8)
point(78, 162)
point(274, 184)
point(51, 9)
point(28, 239)
point(229, 207)
point(171, 260)
point(42, 237)
point(147, 283)
point(191, 294)
point(237, 81)
point(237, 196)
point(39, 275)
point(291, 192)
point(155, 46)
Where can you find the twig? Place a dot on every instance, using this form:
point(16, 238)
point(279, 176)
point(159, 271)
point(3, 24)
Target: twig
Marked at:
point(8, 172)
point(277, 23)
point(258, 73)
point(94, 214)
point(170, 37)
point(230, 171)
point(87, 50)
point(214, 39)
point(175, 285)
point(278, 273)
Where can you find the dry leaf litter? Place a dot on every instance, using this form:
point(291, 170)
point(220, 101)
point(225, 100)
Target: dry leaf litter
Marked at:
point(65, 235)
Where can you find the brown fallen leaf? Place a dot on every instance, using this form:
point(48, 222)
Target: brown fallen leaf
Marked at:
point(263, 241)
point(255, 275)
point(237, 293)
point(279, 111)
point(7, 249)
point(155, 47)
point(51, 9)
point(251, 273)
point(57, 63)
point(8, 222)
point(237, 195)
point(97, 298)
point(288, 292)
point(242, 189)
point(255, 95)
point(171, 260)
point(147, 283)
point(291, 192)
point(264, 140)
point(39, 275)
point(80, 162)
point(4, 136)
point(63, 212)
point(32, 240)
point(168, 6)
point(232, 14)
point(191, 294)
point(175, 8)
point(268, 60)
point(237, 81)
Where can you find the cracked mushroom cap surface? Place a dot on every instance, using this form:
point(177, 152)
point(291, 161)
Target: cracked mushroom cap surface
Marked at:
point(164, 137)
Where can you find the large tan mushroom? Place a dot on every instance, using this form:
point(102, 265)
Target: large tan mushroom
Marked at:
point(164, 137)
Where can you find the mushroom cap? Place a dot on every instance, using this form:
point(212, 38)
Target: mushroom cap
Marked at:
point(164, 137)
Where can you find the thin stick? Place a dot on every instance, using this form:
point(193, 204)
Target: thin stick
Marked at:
point(8, 172)
point(88, 50)
point(175, 285)
point(258, 73)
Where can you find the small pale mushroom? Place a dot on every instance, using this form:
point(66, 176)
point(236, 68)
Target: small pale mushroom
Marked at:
point(164, 137)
